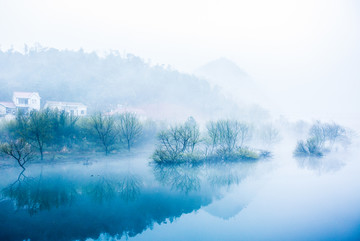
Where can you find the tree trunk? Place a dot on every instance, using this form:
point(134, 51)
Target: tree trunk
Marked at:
point(41, 153)
point(21, 164)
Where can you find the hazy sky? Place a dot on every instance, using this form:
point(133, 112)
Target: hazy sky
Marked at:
point(306, 53)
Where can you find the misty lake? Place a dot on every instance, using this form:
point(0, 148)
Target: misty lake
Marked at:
point(127, 198)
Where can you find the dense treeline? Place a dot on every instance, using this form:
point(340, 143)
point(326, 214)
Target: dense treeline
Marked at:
point(53, 131)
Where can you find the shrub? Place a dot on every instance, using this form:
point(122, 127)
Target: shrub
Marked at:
point(227, 135)
point(309, 148)
point(322, 138)
point(178, 143)
point(245, 153)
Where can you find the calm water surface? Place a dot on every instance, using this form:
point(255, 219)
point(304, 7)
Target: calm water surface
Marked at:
point(127, 198)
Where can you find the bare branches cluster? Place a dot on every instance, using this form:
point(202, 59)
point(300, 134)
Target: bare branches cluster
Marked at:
point(110, 131)
point(227, 135)
point(20, 150)
point(322, 138)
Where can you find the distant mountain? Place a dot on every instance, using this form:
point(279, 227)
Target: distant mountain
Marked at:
point(222, 71)
point(231, 79)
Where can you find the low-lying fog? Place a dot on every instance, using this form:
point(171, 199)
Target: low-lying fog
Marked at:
point(200, 120)
point(123, 197)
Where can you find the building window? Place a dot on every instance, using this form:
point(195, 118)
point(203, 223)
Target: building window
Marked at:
point(33, 101)
point(82, 112)
point(23, 101)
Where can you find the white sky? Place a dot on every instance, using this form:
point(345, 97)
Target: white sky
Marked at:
point(284, 45)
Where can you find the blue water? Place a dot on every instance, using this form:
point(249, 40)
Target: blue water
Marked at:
point(126, 198)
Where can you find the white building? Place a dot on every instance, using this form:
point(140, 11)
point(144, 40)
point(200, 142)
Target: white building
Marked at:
point(26, 101)
point(73, 108)
point(7, 108)
point(120, 109)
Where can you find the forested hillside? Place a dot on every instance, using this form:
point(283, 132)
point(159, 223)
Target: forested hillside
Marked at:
point(105, 82)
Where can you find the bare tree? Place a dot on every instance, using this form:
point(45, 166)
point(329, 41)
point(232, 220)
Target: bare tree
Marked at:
point(229, 133)
point(318, 133)
point(64, 128)
point(193, 128)
point(104, 131)
point(170, 143)
point(19, 150)
point(130, 128)
point(321, 140)
point(36, 128)
point(213, 134)
point(327, 134)
point(189, 135)
point(178, 140)
point(334, 133)
point(269, 134)
point(245, 133)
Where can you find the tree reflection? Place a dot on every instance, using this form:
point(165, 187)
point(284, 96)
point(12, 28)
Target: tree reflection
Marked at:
point(126, 186)
point(17, 191)
point(182, 177)
point(130, 187)
point(325, 164)
point(101, 189)
point(37, 194)
point(117, 203)
point(219, 175)
point(187, 177)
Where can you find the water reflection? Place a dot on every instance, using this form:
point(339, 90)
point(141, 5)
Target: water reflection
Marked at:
point(325, 164)
point(101, 189)
point(100, 199)
point(130, 187)
point(224, 175)
point(182, 177)
point(127, 186)
point(38, 194)
point(187, 177)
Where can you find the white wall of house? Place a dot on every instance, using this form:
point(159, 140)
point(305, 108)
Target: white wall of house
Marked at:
point(76, 109)
point(2, 110)
point(27, 100)
point(34, 102)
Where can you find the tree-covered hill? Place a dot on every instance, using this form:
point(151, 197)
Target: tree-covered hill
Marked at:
point(105, 82)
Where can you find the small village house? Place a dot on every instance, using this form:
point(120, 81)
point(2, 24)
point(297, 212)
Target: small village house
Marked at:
point(73, 108)
point(7, 108)
point(26, 101)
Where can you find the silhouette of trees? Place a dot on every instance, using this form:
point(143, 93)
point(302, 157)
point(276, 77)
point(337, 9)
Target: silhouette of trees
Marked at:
point(104, 131)
point(228, 135)
point(36, 128)
point(322, 137)
point(327, 133)
point(178, 141)
point(269, 134)
point(130, 128)
point(39, 193)
point(21, 151)
point(64, 128)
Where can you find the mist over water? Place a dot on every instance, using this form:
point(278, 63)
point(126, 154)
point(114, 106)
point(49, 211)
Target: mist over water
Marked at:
point(283, 197)
point(204, 120)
